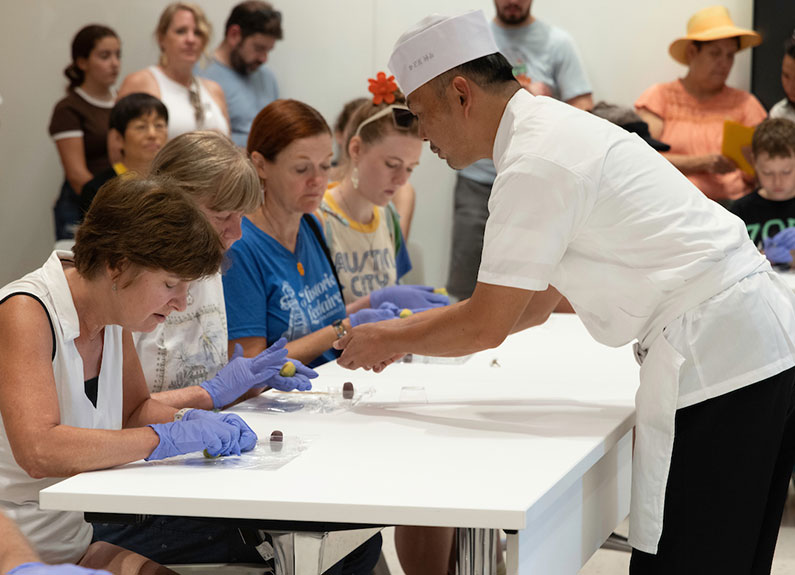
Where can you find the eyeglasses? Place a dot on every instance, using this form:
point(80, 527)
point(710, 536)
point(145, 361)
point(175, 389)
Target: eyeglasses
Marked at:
point(402, 118)
point(196, 102)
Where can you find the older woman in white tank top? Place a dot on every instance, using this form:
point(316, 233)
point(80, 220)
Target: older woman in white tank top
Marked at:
point(193, 103)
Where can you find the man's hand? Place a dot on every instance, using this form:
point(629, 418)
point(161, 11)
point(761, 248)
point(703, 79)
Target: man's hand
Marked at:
point(367, 346)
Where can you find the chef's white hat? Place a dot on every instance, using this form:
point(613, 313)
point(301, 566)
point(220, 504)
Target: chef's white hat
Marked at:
point(437, 44)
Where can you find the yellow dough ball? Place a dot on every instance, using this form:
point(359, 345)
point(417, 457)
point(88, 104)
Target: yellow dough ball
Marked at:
point(287, 370)
point(440, 291)
point(406, 312)
point(208, 456)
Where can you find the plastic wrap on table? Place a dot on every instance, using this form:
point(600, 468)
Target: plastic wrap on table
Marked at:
point(328, 400)
point(267, 454)
point(416, 358)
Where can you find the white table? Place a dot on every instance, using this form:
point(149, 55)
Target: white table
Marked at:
point(540, 446)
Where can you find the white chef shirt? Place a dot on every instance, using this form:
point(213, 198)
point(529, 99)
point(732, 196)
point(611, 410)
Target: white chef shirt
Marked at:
point(593, 210)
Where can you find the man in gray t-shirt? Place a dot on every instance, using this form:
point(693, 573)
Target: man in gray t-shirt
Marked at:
point(546, 63)
point(238, 64)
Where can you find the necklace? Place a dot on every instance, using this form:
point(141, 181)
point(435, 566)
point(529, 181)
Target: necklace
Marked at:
point(267, 222)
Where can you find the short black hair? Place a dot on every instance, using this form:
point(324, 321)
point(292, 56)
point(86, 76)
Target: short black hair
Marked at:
point(699, 44)
point(492, 70)
point(134, 106)
point(789, 46)
point(255, 17)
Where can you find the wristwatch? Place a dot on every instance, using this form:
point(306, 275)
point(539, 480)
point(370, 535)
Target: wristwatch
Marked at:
point(339, 328)
point(181, 413)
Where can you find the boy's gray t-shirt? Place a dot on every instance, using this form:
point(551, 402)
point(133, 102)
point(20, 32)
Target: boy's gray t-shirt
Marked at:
point(545, 54)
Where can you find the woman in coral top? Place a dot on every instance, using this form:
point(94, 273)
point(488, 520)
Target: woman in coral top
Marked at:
point(689, 113)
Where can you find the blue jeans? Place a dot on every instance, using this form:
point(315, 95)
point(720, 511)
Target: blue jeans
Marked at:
point(176, 540)
point(67, 213)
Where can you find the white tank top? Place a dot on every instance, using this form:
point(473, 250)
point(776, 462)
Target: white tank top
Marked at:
point(181, 114)
point(60, 536)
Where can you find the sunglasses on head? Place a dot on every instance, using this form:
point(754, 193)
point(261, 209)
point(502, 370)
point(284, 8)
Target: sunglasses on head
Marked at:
point(195, 101)
point(402, 118)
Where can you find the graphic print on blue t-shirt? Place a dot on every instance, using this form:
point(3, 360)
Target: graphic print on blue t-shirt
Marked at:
point(266, 295)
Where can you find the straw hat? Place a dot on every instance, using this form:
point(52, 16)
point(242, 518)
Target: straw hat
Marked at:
point(713, 23)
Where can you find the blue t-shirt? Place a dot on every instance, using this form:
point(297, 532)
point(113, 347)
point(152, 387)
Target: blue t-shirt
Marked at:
point(266, 294)
point(245, 95)
point(545, 54)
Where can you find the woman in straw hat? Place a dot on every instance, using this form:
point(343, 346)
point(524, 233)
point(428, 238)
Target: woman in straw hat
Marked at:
point(689, 113)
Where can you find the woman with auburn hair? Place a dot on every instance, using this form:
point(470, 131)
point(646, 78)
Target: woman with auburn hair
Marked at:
point(193, 103)
point(79, 123)
point(689, 113)
point(73, 396)
point(281, 281)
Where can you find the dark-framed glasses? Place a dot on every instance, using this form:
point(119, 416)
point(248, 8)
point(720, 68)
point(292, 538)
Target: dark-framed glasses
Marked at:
point(402, 118)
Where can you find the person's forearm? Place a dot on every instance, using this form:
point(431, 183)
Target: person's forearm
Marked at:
point(15, 549)
point(449, 331)
point(687, 164)
point(192, 396)
point(63, 450)
point(358, 305)
point(306, 349)
point(150, 411)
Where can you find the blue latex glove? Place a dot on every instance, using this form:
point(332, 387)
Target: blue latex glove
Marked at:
point(299, 381)
point(247, 438)
point(42, 569)
point(775, 253)
point(385, 311)
point(785, 238)
point(409, 296)
point(243, 373)
point(179, 437)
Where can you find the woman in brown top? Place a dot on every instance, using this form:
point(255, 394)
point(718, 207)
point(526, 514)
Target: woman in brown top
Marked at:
point(79, 124)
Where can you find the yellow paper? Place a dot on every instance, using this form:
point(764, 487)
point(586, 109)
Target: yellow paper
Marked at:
point(735, 138)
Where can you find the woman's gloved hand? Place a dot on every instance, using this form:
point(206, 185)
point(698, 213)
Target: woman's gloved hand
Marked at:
point(243, 373)
point(409, 296)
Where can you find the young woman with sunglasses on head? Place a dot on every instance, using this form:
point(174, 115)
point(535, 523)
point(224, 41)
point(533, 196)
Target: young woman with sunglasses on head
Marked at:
point(193, 103)
point(382, 146)
point(404, 198)
point(79, 124)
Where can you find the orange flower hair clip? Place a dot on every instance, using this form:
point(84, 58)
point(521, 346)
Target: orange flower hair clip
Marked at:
point(382, 88)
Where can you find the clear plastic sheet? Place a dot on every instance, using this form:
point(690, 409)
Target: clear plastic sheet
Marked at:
point(266, 454)
point(415, 358)
point(329, 400)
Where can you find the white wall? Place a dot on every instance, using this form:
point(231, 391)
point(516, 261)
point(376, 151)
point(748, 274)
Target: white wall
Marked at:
point(329, 51)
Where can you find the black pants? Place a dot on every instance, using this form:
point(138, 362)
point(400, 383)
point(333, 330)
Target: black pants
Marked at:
point(732, 460)
point(174, 540)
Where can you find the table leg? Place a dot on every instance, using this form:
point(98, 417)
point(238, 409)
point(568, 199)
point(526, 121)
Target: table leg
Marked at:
point(563, 533)
point(477, 551)
point(313, 552)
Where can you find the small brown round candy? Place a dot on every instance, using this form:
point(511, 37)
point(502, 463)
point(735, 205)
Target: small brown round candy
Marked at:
point(347, 390)
point(277, 440)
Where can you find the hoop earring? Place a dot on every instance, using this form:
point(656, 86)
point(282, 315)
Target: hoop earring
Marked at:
point(113, 287)
point(163, 60)
point(355, 178)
